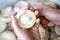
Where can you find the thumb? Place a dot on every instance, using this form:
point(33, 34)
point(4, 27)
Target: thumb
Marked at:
point(20, 33)
point(15, 25)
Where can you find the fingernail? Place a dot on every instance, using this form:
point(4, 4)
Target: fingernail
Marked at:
point(36, 12)
point(38, 20)
point(31, 8)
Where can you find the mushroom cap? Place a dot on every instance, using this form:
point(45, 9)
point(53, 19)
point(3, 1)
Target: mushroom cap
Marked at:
point(3, 26)
point(44, 34)
point(51, 4)
point(26, 18)
point(7, 35)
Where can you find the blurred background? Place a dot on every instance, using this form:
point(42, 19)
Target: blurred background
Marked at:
point(6, 3)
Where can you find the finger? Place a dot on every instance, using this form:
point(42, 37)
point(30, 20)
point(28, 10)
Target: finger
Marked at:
point(38, 21)
point(30, 8)
point(35, 30)
point(36, 26)
point(36, 12)
point(15, 25)
point(37, 7)
point(19, 32)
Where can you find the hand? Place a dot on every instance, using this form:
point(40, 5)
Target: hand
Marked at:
point(22, 34)
point(49, 13)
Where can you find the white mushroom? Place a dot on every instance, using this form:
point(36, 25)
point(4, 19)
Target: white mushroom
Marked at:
point(20, 5)
point(5, 19)
point(57, 29)
point(7, 35)
point(50, 24)
point(56, 1)
point(8, 11)
point(51, 4)
point(26, 18)
point(3, 26)
point(44, 34)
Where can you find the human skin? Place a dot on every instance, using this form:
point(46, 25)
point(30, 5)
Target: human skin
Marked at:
point(33, 34)
point(23, 34)
point(49, 13)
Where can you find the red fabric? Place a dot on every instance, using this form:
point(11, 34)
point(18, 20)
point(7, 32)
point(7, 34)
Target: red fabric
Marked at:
point(44, 21)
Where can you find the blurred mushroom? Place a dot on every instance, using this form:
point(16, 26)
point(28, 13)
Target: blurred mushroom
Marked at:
point(8, 11)
point(44, 34)
point(26, 18)
point(3, 26)
point(7, 35)
point(57, 30)
point(19, 5)
point(51, 4)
